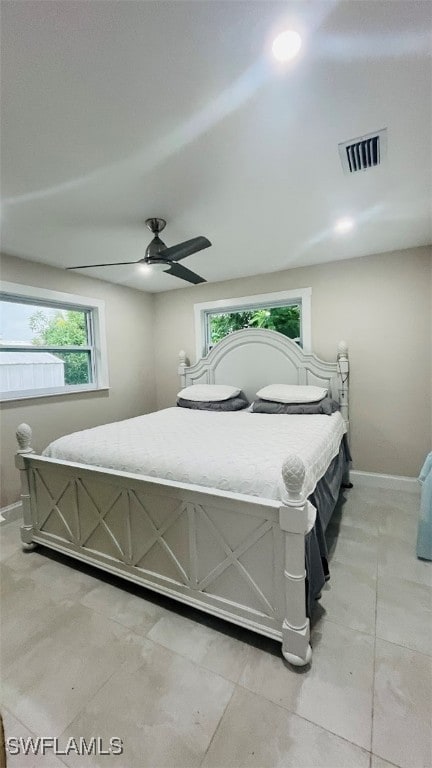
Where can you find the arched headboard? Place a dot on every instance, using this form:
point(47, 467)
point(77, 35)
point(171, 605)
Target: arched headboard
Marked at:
point(252, 358)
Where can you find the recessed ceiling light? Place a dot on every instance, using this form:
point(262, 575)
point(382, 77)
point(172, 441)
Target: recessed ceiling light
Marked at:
point(344, 225)
point(286, 45)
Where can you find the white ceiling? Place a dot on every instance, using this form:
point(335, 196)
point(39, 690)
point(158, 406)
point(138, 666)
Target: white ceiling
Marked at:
point(113, 112)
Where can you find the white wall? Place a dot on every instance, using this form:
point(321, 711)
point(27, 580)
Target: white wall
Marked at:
point(381, 305)
point(129, 321)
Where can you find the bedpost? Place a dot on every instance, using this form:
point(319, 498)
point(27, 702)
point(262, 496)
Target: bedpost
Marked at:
point(343, 380)
point(343, 387)
point(24, 436)
point(295, 520)
point(181, 368)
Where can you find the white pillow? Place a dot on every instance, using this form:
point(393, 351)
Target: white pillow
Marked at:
point(203, 393)
point(292, 393)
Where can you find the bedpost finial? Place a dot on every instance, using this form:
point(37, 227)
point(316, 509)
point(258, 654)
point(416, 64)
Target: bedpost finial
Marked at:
point(342, 349)
point(24, 438)
point(183, 364)
point(293, 475)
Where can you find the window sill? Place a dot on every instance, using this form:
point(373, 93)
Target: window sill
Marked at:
point(15, 397)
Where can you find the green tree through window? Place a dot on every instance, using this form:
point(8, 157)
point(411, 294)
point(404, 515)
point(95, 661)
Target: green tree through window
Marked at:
point(65, 328)
point(285, 320)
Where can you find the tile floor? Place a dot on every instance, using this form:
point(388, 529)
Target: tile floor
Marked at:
point(87, 655)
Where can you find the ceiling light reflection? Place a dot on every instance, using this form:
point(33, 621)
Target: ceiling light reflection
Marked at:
point(286, 45)
point(344, 225)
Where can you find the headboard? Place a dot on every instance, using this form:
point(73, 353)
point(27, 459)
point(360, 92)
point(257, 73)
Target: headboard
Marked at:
point(252, 358)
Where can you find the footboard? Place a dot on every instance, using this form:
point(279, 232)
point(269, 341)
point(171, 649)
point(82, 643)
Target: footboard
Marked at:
point(235, 556)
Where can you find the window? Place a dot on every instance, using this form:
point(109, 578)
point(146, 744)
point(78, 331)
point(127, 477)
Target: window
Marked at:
point(50, 343)
point(287, 312)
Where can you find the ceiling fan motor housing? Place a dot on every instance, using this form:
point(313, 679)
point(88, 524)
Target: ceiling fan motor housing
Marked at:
point(152, 250)
point(155, 225)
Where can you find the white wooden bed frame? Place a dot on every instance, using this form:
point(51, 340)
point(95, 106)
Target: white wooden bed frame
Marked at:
point(238, 557)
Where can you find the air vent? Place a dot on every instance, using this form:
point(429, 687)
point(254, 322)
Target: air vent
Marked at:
point(364, 152)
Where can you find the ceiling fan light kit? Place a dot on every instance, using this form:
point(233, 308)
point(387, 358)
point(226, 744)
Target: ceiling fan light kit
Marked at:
point(161, 258)
point(154, 266)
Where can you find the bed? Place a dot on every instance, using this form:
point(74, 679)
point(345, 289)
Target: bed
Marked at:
point(231, 512)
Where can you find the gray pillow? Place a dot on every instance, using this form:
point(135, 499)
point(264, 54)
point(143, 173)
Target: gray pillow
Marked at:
point(236, 403)
point(326, 406)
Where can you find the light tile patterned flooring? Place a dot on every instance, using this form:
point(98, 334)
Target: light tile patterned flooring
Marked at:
point(88, 655)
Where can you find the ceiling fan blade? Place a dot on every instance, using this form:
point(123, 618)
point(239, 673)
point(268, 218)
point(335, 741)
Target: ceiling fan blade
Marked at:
point(181, 250)
point(111, 264)
point(185, 274)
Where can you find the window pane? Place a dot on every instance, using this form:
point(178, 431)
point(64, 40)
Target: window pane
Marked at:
point(22, 323)
point(285, 320)
point(25, 371)
point(77, 367)
point(25, 324)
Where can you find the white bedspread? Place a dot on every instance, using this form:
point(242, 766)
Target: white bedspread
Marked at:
point(241, 451)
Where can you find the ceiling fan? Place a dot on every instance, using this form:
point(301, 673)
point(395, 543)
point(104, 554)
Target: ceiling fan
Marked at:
point(163, 259)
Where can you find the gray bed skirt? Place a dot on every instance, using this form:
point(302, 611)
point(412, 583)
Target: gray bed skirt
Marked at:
point(324, 499)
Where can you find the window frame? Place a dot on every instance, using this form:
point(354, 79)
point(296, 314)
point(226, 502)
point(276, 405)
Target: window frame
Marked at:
point(95, 309)
point(301, 296)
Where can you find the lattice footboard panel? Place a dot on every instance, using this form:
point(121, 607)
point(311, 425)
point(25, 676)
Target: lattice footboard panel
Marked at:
point(221, 553)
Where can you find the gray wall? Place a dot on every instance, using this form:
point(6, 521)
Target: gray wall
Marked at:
point(129, 320)
point(381, 305)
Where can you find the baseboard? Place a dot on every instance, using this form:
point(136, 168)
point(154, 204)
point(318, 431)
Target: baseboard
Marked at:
point(392, 482)
point(11, 512)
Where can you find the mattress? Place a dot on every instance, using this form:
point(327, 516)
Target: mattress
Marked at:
point(238, 452)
